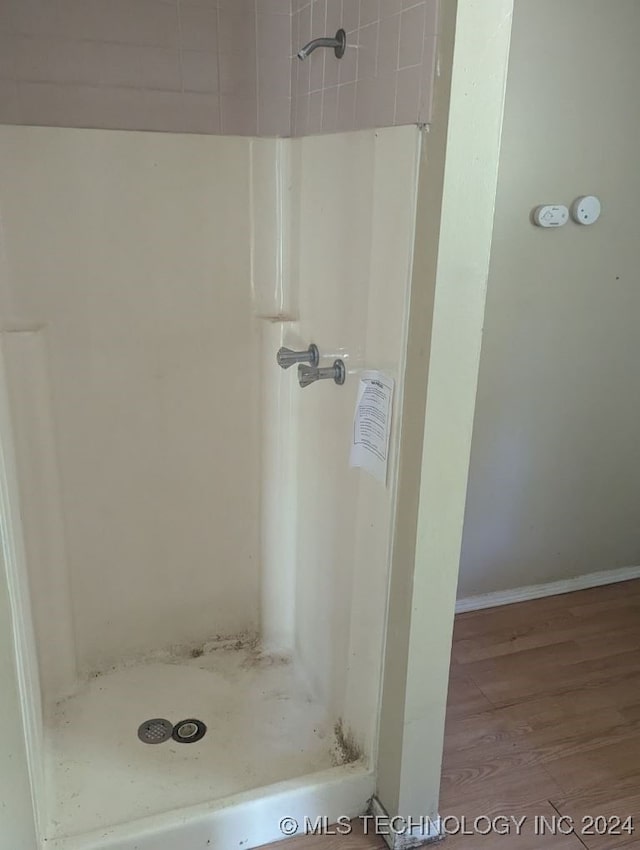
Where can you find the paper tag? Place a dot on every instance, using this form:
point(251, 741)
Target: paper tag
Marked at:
point(372, 425)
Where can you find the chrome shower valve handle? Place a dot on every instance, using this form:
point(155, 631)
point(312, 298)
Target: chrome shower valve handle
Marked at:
point(286, 357)
point(309, 375)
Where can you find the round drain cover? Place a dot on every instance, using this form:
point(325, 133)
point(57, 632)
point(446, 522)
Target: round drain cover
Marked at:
point(189, 731)
point(155, 731)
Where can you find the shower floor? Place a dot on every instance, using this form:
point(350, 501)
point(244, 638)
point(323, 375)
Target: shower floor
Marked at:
point(262, 727)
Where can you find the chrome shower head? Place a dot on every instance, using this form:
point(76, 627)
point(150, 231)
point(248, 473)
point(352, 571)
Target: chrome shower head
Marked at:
point(338, 44)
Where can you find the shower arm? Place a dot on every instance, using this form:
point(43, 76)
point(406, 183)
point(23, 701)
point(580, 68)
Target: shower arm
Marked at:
point(339, 43)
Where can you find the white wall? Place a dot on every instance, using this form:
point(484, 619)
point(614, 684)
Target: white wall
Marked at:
point(128, 269)
point(554, 485)
point(356, 208)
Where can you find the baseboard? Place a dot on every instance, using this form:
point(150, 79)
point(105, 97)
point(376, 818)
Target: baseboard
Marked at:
point(552, 588)
point(400, 833)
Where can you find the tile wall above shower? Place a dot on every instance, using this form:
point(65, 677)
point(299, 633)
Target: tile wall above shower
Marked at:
point(386, 75)
point(187, 66)
point(215, 66)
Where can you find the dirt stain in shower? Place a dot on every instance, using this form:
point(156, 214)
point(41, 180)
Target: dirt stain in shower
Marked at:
point(346, 748)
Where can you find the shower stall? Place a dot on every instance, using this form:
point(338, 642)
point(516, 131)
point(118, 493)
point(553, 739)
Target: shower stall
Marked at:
point(189, 541)
point(212, 613)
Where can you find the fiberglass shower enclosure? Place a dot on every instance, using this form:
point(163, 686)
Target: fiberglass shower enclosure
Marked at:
point(195, 543)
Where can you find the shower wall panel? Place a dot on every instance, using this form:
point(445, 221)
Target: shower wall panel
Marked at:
point(356, 211)
point(126, 254)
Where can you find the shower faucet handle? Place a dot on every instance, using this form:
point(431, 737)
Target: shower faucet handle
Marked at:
point(309, 375)
point(286, 357)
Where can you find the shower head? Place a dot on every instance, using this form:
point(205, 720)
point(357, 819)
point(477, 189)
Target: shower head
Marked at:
point(338, 43)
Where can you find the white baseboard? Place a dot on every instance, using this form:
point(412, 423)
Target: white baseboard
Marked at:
point(552, 588)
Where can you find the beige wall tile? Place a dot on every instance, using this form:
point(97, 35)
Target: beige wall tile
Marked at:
point(274, 114)
point(429, 61)
point(238, 74)
point(391, 7)
point(330, 109)
point(236, 31)
point(345, 118)
point(295, 33)
point(331, 70)
point(239, 115)
point(274, 35)
point(143, 22)
point(117, 108)
point(432, 19)
point(134, 66)
point(10, 106)
point(315, 113)
point(240, 7)
point(368, 50)
point(304, 24)
point(199, 27)
point(274, 7)
point(200, 71)
point(303, 78)
point(385, 100)
point(80, 62)
point(411, 36)
point(351, 15)
point(408, 91)
point(318, 18)
point(334, 16)
point(300, 115)
point(295, 64)
point(200, 112)
point(316, 70)
point(41, 59)
point(365, 102)
point(274, 77)
point(56, 18)
point(390, 56)
point(369, 12)
point(8, 50)
point(348, 66)
point(389, 44)
point(70, 106)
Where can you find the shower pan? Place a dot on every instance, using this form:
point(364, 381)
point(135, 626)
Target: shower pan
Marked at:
point(200, 577)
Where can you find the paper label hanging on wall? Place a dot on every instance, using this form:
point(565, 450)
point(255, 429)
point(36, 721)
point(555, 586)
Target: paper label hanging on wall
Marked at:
point(372, 425)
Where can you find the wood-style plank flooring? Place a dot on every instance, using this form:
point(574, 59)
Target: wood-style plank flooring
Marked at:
point(544, 718)
point(543, 721)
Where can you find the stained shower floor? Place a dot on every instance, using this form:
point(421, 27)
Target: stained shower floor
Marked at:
point(262, 727)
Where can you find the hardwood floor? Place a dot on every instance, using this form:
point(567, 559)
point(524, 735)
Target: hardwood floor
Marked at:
point(543, 721)
point(355, 841)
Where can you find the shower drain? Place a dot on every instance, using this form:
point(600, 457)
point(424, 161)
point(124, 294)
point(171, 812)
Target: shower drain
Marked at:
point(189, 731)
point(155, 731)
point(158, 730)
